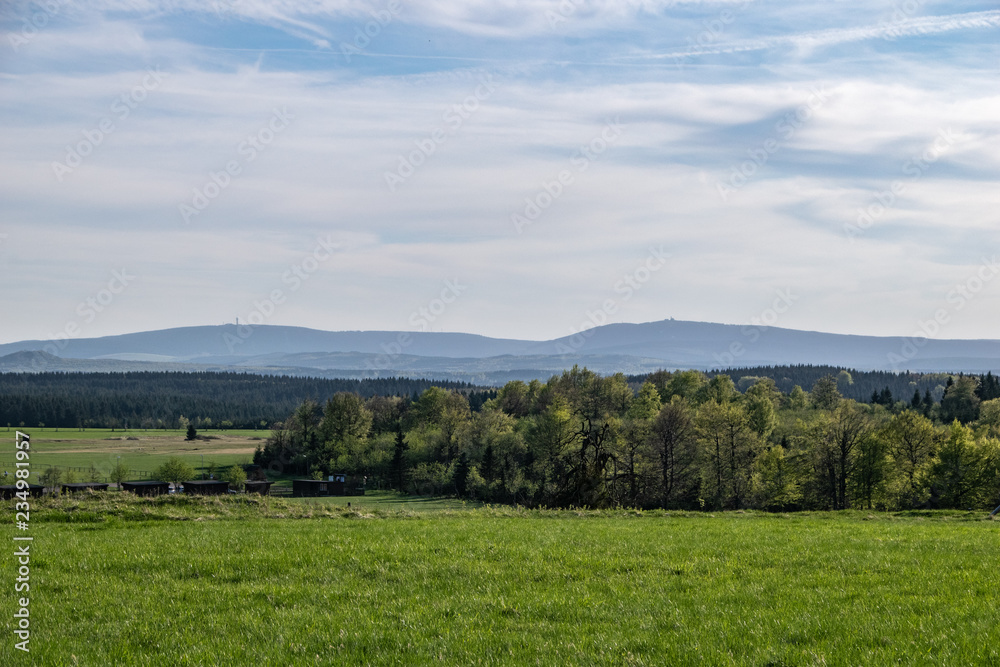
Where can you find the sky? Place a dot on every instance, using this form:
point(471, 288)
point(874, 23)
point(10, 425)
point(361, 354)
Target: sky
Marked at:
point(517, 169)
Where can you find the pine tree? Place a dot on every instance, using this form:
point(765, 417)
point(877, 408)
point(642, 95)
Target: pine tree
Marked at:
point(399, 461)
point(915, 401)
point(461, 476)
point(489, 463)
point(989, 387)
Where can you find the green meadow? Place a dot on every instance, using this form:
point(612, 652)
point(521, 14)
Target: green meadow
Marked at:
point(241, 581)
point(142, 451)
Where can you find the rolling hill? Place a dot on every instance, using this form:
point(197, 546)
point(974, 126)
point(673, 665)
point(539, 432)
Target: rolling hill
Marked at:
point(629, 348)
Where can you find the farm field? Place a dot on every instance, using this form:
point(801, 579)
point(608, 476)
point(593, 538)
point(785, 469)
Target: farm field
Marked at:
point(142, 451)
point(194, 581)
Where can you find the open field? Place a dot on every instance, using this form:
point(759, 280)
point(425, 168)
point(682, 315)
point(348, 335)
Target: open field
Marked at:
point(189, 581)
point(391, 500)
point(140, 450)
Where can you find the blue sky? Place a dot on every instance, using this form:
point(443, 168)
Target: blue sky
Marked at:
point(515, 169)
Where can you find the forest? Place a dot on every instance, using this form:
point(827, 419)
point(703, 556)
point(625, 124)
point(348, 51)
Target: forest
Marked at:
point(746, 438)
point(679, 440)
point(172, 400)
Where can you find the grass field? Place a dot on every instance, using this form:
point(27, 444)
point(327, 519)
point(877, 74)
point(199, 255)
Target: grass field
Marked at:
point(142, 451)
point(189, 581)
point(390, 500)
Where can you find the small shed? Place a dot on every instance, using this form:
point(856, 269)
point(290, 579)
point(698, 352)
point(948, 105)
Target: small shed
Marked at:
point(147, 487)
point(7, 491)
point(84, 486)
point(206, 487)
point(255, 486)
point(311, 488)
point(335, 485)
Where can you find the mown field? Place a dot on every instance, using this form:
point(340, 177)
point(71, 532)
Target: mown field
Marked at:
point(142, 451)
point(239, 581)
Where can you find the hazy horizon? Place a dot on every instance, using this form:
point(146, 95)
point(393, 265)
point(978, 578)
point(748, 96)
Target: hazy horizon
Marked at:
point(741, 325)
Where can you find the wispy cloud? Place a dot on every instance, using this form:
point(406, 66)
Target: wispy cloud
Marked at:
point(228, 67)
point(811, 40)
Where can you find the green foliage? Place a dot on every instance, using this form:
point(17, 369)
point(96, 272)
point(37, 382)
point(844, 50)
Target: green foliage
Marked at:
point(684, 384)
point(964, 472)
point(52, 477)
point(989, 416)
point(586, 440)
point(192, 432)
point(912, 442)
point(174, 470)
point(719, 389)
point(960, 401)
point(824, 394)
point(236, 477)
point(119, 473)
point(775, 482)
point(798, 399)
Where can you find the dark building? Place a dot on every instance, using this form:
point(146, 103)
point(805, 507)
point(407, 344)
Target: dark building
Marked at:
point(206, 487)
point(263, 488)
point(84, 486)
point(7, 491)
point(339, 485)
point(147, 488)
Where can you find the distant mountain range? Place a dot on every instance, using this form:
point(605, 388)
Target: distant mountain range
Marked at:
point(629, 348)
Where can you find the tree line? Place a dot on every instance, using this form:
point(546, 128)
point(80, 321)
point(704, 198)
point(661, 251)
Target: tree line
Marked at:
point(854, 384)
point(677, 440)
point(147, 400)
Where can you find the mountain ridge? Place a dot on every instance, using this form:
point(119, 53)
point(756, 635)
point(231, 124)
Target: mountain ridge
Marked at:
point(614, 347)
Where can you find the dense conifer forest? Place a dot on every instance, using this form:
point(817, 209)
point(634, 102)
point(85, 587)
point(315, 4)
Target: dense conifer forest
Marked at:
point(160, 400)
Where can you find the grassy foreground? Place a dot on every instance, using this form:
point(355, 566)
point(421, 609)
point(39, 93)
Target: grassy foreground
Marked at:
point(190, 581)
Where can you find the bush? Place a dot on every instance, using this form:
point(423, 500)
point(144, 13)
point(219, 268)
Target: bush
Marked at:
point(236, 476)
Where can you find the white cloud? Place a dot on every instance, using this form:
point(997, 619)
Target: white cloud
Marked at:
point(325, 174)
